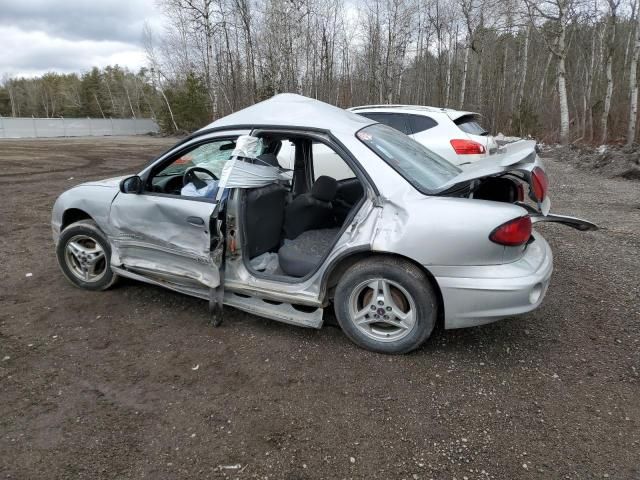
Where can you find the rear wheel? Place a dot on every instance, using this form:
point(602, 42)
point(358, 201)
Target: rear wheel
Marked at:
point(386, 305)
point(84, 256)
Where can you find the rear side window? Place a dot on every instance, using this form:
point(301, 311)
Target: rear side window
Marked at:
point(470, 124)
point(394, 120)
point(329, 163)
point(420, 123)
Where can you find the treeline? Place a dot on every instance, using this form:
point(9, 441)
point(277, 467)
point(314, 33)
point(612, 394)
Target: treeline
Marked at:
point(560, 70)
point(557, 69)
point(111, 92)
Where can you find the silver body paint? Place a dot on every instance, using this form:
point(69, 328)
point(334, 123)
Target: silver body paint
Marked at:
point(479, 281)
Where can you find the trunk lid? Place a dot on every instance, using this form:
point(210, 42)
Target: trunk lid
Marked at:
point(518, 157)
point(517, 160)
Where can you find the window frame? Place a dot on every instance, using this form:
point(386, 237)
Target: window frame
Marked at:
point(327, 138)
point(322, 136)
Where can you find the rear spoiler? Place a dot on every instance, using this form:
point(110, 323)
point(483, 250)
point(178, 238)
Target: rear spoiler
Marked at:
point(456, 114)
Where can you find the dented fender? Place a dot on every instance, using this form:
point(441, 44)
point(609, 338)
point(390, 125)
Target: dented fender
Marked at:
point(93, 199)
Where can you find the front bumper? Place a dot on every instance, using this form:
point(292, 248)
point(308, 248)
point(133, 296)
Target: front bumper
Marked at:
point(55, 233)
point(476, 295)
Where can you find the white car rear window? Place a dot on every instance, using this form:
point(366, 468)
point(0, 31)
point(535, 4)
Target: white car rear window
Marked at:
point(470, 124)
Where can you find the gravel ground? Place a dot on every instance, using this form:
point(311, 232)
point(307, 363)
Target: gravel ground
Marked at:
point(133, 383)
point(608, 161)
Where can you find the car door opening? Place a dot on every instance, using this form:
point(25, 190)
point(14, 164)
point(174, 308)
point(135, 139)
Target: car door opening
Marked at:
point(290, 226)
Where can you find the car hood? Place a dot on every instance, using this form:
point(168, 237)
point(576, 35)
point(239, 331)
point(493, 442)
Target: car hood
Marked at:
point(113, 182)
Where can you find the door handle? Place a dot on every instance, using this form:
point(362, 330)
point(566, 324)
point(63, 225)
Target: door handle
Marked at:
point(197, 221)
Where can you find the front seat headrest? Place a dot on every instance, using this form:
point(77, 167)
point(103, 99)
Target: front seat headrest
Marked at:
point(324, 188)
point(268, 159)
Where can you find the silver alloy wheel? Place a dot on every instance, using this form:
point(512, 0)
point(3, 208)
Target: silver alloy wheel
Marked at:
point(382, 309)
point(85, 258)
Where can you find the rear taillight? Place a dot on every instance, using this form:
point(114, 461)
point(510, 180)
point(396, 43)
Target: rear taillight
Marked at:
point(539, 183)
point(512, 233)
point(467, 147)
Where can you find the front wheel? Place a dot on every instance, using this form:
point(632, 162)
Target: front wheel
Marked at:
point(386, 305)
point(84, 256)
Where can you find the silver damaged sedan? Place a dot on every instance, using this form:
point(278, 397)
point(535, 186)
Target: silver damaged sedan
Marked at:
point(364, 218)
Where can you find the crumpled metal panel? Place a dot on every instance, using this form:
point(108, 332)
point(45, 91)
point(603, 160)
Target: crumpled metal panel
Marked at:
point(442, 230)
point(153, 232)
point(93, 200)
point(290, 109)
point(174, 266)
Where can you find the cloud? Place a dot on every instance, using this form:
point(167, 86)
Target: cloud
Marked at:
point(37, 36)
point(120, 20)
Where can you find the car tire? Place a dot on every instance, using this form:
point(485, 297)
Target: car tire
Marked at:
point(84, 256)
point(386, 305)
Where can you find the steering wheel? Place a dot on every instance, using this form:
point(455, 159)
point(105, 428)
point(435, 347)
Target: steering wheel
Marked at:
point(191, 177)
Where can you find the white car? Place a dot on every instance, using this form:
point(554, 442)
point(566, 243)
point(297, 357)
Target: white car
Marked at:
point(453, 134)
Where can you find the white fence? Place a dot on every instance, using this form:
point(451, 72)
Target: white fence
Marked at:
point(11, 127)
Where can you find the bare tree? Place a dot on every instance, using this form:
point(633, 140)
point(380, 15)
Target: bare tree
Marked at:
point(609, 51)
point(555, 16)
point(524, 64)
point(202, 22)
point(7, 83)
point(549, 64)
point(156, 73)
point(470, 9)
point(633, 86)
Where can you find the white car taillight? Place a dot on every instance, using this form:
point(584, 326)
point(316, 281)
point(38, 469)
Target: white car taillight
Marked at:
point(467, 147)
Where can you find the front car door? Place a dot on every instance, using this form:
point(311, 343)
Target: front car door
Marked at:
point(165, 232)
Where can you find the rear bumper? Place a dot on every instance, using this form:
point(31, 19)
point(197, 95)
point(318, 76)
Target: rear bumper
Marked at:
point(477, 295)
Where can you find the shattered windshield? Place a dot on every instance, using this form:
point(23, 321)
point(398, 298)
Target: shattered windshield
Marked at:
point(425, 170)
point(211, 156)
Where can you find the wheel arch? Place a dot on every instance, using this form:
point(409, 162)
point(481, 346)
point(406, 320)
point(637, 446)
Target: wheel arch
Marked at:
point(339, 266)
point(72, 215)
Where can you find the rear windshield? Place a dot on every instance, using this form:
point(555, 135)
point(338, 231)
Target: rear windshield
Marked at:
point(470, 124)
point(425, 170)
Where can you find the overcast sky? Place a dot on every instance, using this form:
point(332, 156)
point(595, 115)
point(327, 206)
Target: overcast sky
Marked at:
point(37, 36)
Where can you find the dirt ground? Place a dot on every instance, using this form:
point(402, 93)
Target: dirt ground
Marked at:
point(133, 383)
point(608, 161)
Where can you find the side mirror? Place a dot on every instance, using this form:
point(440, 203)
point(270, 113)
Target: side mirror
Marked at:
point(131, 185)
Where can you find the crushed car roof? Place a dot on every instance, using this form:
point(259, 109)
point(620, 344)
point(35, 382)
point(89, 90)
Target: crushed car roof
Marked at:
point(291, 110)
